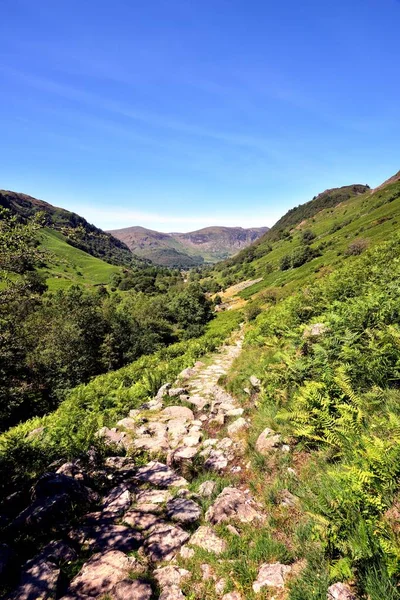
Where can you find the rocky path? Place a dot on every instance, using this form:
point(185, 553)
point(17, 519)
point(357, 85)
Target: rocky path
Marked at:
point(150, 512)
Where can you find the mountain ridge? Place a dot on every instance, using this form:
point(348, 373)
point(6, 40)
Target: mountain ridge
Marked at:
point(209, 244)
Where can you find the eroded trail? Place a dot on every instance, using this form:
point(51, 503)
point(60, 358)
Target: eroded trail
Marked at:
point(151, 526)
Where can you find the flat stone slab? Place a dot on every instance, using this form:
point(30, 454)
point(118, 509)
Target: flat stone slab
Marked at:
point(100, 574)
point(132, 590)
point(183, 510)
point(108, 536)
point(159, 475)
point(164, 542)
point(271, 575)
point(117, 501)
point(206, 538)
point(233, 504)
point(177, 412)
point(153, 496)
point(39, 580)
point(141, 520)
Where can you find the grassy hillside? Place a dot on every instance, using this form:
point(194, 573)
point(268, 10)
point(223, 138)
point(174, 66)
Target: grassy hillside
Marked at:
point(67, 265)
point(317, 244)
point(76, 230)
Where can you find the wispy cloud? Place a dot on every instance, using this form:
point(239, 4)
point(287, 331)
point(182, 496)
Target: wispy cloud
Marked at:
point(262, 144)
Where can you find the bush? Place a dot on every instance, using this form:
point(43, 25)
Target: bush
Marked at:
point(357, 247)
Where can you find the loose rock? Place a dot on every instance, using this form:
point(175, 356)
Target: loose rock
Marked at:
point(272, 575)
point(233, 504)
point(206, 538)
point(340, 591)
point(164, 542)
point(267, 441)
point(160, 475)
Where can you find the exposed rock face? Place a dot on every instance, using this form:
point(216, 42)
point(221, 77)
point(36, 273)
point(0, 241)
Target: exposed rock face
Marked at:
point(340, 591)
point(267, 441)
point(233, 504)
point(216, 461)
point(100, 574)
point(206, 538)
point(164, 542)
point(272, 575)
point(106, 535)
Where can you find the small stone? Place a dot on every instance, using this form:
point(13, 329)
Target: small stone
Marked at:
point(163, 391)
point(235, 412)
point(232, 596)
point(177, 412)
point(247, 391)
point(132, 589)
point(207, 572)
point(170, 575)
point(340, 591)
point(291, 472)
point(183, 510)
point(255, 382)
point(220, 586)
point(233, 530)
point(272, 575)
point(206, 538)
point(153, 496)
point(236, 469)
point(117, 501)
point(186, 552)
point(216, 461)
point(209, 442)
point(127, 423)
point(315, 330)
point(159, 475)
point(207, 488)
point(141, 520)
point(164, 542)
point(172, 592)
point(232, 504)
point(184, 453)
point(285, 448)
point(237, 427)
point(267, 441)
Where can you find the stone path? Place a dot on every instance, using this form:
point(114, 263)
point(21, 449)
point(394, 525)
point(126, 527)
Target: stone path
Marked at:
point(149, 509)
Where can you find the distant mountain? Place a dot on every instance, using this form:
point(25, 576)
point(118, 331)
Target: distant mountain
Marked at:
point(208, 245)
point(76, 230)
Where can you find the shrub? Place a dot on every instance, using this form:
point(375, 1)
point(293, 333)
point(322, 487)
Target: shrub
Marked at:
point(357, 247)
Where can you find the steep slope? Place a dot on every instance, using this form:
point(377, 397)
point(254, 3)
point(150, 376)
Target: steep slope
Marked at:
point(76, 230)
point(210, 244)
point(315, 237)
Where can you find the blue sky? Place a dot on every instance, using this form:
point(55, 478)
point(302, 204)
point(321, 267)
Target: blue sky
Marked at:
point(179, 114)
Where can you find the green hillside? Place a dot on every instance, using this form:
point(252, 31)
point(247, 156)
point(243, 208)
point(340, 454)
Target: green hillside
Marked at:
point(312, 246)
point(67, 265)
point(76, 230)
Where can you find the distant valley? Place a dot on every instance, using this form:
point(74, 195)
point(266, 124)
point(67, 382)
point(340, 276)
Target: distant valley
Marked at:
point(208, 245)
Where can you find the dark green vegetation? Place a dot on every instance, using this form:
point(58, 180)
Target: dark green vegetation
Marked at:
point(51, 342)
point(313, 239)
point(184, 250)
point(70, 431)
